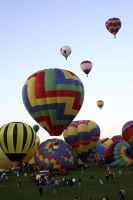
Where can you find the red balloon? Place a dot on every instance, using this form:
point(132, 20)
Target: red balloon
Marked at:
point(113, 25)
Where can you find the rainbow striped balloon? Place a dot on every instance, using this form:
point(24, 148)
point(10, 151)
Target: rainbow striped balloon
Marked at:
point(53, 97)
point(119, 154)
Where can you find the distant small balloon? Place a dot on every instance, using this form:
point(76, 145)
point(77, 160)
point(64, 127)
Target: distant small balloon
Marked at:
point(100, 104)
point(113, 25)
point(66, 51)
point(86, 66)
point(36, 128)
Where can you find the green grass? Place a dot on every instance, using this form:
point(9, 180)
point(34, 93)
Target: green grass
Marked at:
point(29, 191)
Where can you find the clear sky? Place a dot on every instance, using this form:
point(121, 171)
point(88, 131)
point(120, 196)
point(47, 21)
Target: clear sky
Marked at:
point(31, 35)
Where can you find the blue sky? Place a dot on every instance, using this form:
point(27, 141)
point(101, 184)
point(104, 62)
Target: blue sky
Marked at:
point(31, 35)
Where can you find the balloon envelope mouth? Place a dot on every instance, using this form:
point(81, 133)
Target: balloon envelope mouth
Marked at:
point(55, 132)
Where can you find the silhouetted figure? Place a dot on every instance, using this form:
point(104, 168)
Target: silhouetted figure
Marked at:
point(40, 191)
point(121, 192)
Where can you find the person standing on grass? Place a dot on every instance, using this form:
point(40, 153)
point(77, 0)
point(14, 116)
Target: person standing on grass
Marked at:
point(76, 198)
point(55, 189)
point(91, 179)
point(40, 191)
point(107, 178)
point(101, 181)
point(19, 183)
point(105, 198)
point(121, 192)
point(79, 181)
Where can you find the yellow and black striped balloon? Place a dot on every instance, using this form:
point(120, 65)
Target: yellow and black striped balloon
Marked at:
point(16, 140)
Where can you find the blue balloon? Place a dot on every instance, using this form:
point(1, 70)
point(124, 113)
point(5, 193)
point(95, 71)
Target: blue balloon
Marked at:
point(36, 128)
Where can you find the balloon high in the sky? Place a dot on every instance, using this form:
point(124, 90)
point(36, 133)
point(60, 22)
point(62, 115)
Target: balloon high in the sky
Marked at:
point(86, 66)
point(65, 51)
point(54, 154)
point(113, 25)
point(119, 154)
point(82, 136)
point(100, 104)
point(16, 140)
point(53, 97)
point(127, 131)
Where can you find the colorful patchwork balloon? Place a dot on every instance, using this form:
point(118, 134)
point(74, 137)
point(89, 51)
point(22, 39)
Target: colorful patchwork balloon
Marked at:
point(82, 136)
point(127, 131)
point(54, 154)
point(113, 25)
point(53, 97)
point(119, 154)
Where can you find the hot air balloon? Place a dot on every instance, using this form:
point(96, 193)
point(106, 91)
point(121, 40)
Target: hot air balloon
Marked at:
point(119, 154)
point(106, 142)
point(127, 131)
point(16, 139)
point(65, 51)
point(36, 128)
point(113, 25)
point(32, 151)
point(86, 66)
point(117, 138)
point(54, 154)
point(100, 149)
point(82, 136)
point(53, 97)
point(5, 163)
point(100, 104)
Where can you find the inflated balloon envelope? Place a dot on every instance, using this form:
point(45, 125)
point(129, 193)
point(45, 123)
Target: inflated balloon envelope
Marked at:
point(113, 25)
point(53, 97)
point(16, 140)
point(82, 136)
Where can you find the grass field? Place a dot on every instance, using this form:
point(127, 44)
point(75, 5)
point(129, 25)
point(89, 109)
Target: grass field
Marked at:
point(96, 191)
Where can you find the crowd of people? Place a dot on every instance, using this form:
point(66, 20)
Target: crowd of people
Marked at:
point(68, 181)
